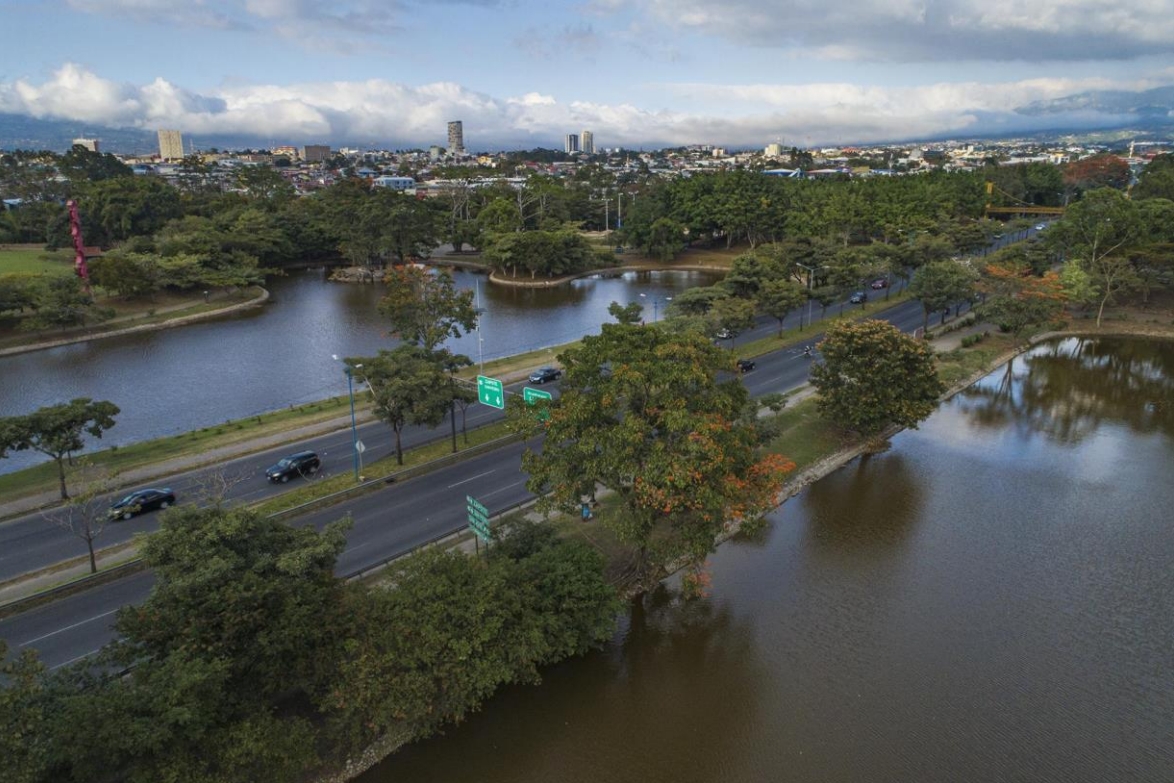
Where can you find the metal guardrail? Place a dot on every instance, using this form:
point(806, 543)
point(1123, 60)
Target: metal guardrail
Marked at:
point(104, 576)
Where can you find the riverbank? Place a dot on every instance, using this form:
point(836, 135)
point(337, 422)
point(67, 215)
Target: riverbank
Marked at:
point(153, 319)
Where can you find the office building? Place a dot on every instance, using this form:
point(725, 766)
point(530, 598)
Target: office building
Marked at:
point(90, 144)
point(572, 143)
point(170, 145)
point(773, 150)
point(456, 138)
point(315, 153)
point(587, 142)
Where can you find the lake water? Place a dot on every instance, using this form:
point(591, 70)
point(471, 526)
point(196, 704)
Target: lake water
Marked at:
point(181, 379)
point(990, 600)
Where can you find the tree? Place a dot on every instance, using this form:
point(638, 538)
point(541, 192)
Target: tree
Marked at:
point(779, 298)
point(57, 430)
point(426, 309)
point(642, 412)
point(1018, 300)
point(940, 284)
point(409, 386)
point(60, 302)
point(872, 376)
point(1097, 171)
point(25, 724)
point(666, 238)
point(731, 316)
point(85, 515)
point(631, 313)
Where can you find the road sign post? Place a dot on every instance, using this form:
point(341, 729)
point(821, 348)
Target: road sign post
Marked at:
point(490, 392)
point(532, 396)
point(478, 517)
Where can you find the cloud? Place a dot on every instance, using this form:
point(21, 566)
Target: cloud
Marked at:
point(924, 30)
point(581, 40)
point(390, 114)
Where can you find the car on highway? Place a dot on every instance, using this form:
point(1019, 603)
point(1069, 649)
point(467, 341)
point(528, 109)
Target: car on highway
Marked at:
point(726, 334)
point(1040, 226)
point(304, 463)
point(858, 297)
point(544, 374)
point(746, 365)
point(141, 501)
point(880, 282)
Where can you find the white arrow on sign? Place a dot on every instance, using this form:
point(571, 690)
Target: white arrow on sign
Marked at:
point(359, 447)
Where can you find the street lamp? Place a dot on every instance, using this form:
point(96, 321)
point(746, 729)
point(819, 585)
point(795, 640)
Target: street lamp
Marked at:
point(656, 300)
point(350, 387)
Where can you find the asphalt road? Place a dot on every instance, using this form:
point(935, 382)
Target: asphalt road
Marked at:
point(387, 523)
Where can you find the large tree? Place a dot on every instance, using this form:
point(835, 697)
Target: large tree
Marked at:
point(409, 385)
point(940, 284)
point(1017, 300)
point(642, 411)
point(425, 308)
point(873, 376)
point(779, 298)
point(57, 430)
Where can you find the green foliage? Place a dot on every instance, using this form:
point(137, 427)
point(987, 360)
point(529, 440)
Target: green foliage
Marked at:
point(425, 309)
point(541, 253)
point(941, 284)
point(872, 376)
point(24, 720)
point(59, 303)
point(643, 413)
point(57, 430)
point(631, 313)
point(779, 298)
point(453, 629)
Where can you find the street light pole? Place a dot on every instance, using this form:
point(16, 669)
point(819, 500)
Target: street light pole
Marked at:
point(350, 387)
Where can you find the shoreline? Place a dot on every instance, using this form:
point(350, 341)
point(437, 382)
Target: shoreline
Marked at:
point(183, 320)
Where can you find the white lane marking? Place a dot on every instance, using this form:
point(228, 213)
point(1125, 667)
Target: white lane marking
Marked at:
point(71, 660)
point(68, 627)
point(503, 489)
point(474, 478)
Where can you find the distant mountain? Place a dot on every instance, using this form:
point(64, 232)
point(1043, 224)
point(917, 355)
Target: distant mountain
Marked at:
point(1148, 105)
point(19, 132)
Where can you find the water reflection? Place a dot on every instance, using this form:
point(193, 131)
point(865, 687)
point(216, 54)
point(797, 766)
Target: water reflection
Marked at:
point(1067, 389)
point(625, 697)
point(839, 506)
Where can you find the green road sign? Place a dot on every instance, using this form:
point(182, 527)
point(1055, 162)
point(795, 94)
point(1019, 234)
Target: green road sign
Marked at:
point(478, 518)
point(490, 392)
point(531, 395)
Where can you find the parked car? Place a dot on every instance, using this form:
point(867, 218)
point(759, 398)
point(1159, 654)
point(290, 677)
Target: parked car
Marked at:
point(746, 365)
point(880, 282)
point(141, 501)
point(304, 463)
point(859, 297)
point(544, 374)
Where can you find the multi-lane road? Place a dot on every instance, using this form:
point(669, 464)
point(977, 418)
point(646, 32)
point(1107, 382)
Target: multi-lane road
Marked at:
point(387, 523)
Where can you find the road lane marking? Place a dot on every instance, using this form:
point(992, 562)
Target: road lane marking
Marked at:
point(68, 627)
point(502, 489)
point(474, 478)
point(78, 658)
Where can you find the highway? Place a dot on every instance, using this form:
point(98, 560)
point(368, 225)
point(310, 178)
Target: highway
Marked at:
point(387, 523)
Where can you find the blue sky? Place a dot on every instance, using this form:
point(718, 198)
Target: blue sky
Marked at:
point(519, 73)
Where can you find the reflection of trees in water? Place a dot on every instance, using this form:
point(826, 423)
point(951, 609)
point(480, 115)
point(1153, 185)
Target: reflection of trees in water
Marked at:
point(870, 504)
point(1066, 389)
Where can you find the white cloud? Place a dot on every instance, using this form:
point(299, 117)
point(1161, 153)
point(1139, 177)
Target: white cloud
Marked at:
point(393, 114)
point(926, 30)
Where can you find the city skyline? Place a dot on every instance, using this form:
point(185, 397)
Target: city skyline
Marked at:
point(639, 72)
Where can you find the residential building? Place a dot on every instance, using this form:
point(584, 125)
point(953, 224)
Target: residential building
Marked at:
point(587, 142)
point(90, 144)
point(315, 153)
point(773, 150)
point(456, 138)
point(394, 183)
point(170, 145)
point(572, 143)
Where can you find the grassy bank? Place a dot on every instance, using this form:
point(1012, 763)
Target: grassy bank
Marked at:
point(35, 261)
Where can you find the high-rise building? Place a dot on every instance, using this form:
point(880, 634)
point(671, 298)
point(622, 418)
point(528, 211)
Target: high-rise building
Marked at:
point(90, 144)
point(456, 137)
point(773, 150)
point(572, 143)
point(587, 142)
point(315, 153)
point(170, 145)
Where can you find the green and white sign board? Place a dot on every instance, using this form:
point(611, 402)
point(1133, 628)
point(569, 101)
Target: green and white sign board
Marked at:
point(533, 395)
point(490, 392)
point(478, 518)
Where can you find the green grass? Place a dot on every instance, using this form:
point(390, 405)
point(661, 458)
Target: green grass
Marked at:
point(805, 437)
point(33, 261)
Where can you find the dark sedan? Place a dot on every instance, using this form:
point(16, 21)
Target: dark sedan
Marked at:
point(546, 374)
point(746, 365)
point(304, 463)
point(142, 501)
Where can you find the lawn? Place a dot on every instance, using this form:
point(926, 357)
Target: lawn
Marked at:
point(32, 261)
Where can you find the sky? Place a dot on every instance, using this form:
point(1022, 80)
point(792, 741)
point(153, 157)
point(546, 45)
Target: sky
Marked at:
point(523, 73)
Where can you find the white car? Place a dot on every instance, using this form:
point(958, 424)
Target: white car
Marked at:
point(1040, 226)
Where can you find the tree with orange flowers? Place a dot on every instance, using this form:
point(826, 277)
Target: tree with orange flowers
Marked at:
point(1017, 300)
point(660, 419)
